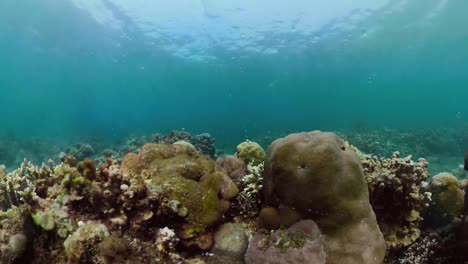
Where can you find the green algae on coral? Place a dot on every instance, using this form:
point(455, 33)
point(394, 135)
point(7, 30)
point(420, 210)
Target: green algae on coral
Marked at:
point(204, 207)
point(45, 220)
point(190, 182)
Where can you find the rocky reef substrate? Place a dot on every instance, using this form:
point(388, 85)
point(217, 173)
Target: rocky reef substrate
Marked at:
point(312, 197)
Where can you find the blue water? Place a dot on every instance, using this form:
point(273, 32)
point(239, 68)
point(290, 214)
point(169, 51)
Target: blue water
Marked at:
point(105, 69)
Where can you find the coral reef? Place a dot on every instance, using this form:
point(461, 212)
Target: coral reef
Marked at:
point(171, 137)
point(383, 142)
point(301, 243)
point(419, 142)
point(441, 246)
point(420, 252)
point(86, 237)
point(14, 149)
point(132, 144)
point(318, 175)
point(170, 203)
point(399, 196)
point(250, 152)
point(204, 143)
point(167, 196)
point(81, 151)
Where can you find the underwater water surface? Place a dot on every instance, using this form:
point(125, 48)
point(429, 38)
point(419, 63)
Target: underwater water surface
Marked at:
point(77, 70)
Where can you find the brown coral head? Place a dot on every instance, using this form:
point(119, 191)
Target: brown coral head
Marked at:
point(269, 218)
point(301, 168)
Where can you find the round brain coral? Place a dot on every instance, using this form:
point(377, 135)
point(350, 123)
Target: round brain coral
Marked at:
point(447, 200)
point(250, 152)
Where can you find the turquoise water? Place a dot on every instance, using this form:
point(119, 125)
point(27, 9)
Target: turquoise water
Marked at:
point(107, 69)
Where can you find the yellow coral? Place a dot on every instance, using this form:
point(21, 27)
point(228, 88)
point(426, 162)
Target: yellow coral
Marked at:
point(250, 152)
point(447, 199)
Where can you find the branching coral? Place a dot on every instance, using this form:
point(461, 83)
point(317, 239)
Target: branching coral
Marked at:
point(397, 188)
point(439, 247)
point(249, 200)
point(421, 251)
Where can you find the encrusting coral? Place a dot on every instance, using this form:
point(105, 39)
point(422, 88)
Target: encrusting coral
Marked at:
point(399, 196)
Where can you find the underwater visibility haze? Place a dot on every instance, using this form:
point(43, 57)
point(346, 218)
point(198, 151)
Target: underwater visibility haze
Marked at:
point(233, 69)
point(99, 79)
